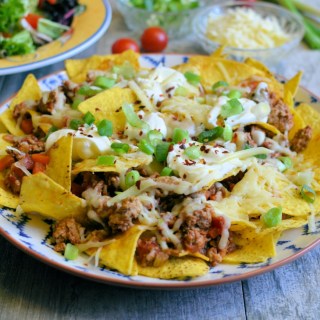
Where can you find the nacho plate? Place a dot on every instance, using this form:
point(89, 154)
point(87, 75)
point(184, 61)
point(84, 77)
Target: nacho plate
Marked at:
point(89, 27)
point(27, 233)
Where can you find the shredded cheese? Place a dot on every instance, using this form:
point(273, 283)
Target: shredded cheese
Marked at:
point(246, 29)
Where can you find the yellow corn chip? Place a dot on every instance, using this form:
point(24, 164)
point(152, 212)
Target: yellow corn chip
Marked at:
point(3, 128)
point(255, 250)
point(59, 167)
point(30, 90)
point(262, 230)
point(276, 86)
point(7, 198)
point(213, 70)
point(10, 123)
point(77, 69)
point(292, 85)
point(42, 195)
point(119, 255)
point(3, 144)
point(107, 105)
point(122, 164)
point(176, 268)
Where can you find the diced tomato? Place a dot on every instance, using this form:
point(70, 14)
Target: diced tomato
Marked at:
point(41, 158)
point(38, 167)
point(6, 162)
point(33, 19)
point(26, 126)
point(216, 227)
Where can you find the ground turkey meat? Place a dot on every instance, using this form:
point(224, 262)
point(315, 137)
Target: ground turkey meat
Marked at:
point(104, 183)
point(29, 144)
point(216, 192)
point(301, 139)
point(52, 101)
point(280, 115)
point(149, 253)
point(195, 229)
point(67, 230)
point(122, 214)
point(22, 108)
point(216, 255)
point(13, 178)
point(70, 89)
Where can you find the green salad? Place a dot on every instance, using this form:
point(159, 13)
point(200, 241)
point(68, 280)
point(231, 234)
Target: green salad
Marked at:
point(165, 5)
point(26, 25)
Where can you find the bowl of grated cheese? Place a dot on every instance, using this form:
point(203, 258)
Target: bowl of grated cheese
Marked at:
point(262, 31)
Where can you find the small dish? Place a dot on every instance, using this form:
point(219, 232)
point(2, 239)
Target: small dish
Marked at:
point(176, 24)
point(88, 27)
point(290, 23)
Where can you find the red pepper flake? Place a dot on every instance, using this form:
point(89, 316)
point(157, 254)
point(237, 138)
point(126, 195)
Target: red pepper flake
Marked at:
point(188, 162)
point(97, 109)
point(182, 146)
point(170, 147)
point(169, 89)
point(158, 104)
point(140, 116)
point(138, 184)
point(184, 176)
point(140, 133)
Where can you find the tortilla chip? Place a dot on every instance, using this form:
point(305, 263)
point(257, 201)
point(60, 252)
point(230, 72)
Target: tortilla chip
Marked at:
point(276, 86)
point(213, 70)
point(59, 167)
point(10, 123)
point(255, 250)
point(107, 105)
point(3, 144)
point(77, 69)
point(3, 128)
point(133, 160)
point(311, 117)
point(255, 194)
point(7, 199)
point(176, 268)
point(262, 230)
point(119, 255)
point(219, 53)
point(30, 90)
point(292, 85)
point(42, 195)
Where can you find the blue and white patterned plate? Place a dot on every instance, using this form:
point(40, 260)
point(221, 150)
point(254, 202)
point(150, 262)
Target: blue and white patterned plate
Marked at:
point(31, 233)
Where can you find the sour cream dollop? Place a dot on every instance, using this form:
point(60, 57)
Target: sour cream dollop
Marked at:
point(87, 143)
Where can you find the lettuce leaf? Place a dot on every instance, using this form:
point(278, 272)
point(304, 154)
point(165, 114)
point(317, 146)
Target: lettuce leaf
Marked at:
point(10, 13)
point(20, 44)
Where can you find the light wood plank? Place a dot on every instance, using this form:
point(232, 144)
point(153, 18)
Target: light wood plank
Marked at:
point(32, 290)
point(290, 292)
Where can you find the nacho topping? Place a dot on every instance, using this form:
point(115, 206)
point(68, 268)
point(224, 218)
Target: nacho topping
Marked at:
point(156, 172)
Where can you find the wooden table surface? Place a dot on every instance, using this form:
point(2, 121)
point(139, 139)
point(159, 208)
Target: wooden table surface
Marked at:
point(32, 290)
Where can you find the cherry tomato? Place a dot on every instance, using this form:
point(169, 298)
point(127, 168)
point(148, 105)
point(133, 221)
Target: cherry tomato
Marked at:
point(154, 39)
point(33, 19)
point(124, 44)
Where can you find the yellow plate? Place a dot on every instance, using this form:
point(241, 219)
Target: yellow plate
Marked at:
point(87, 28)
